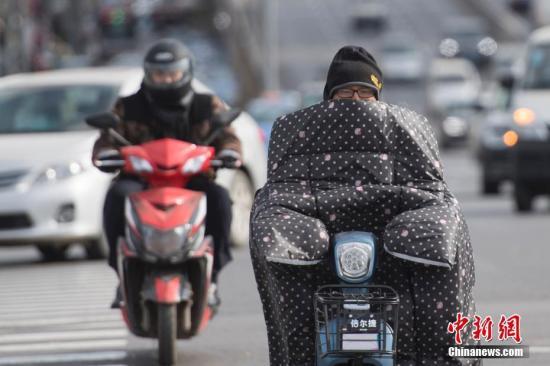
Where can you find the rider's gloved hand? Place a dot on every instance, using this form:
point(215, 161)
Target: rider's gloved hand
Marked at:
point(229, 158)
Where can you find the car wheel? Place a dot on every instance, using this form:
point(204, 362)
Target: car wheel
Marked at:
point(241, 192)
point(52, 252)
point(97, 248)
point(522, 198)
point(490, 186)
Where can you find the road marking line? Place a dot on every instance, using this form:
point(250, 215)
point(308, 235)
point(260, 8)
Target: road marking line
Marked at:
point(66, 320)
point(57, 312)
point(64, 358)
point(64, 325)
point(63, 335)
point(68, 303)
point(45, 292)
point(66, 346)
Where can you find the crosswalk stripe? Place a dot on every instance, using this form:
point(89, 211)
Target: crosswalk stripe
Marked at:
point(62, 336)
point(65, 346)
point(47, 321)
point(30, 293)
point(37, 304)
point(65, 325)
point(57, 312)
point(57, 359)
point(116, 317)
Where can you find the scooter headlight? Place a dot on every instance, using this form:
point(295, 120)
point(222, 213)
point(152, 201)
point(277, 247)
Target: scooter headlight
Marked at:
point(165, 243)
point(355, 261)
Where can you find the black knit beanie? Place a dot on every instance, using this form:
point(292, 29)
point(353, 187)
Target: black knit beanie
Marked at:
point(353, 65)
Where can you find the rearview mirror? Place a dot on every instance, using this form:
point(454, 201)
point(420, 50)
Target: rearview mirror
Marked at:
point(103, 121)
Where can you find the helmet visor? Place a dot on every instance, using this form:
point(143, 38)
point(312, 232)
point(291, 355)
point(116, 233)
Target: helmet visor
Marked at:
point(168, 75)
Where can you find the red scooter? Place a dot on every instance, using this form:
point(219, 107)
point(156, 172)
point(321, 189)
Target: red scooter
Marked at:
point(165, 260)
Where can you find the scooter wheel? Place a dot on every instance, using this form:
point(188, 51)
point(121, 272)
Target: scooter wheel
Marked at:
point(167, 334)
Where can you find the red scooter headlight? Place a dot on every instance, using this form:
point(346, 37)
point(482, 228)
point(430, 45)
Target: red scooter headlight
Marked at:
point(165, 243)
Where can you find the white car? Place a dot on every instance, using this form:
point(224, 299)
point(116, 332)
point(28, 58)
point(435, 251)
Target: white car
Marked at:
point(452, 82)
point(402, 59)
point(370, 14)
point(51, 194)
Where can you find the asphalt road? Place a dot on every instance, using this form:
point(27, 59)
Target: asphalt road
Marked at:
point(57, 314)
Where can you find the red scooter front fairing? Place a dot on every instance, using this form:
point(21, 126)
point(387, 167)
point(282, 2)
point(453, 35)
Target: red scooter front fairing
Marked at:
point(165, 260)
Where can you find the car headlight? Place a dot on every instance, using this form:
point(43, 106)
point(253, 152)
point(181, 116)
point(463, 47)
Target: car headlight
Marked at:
point(455, 126)
point(165, 243)
point(355, 261)
point(59, 172)
point(140, 165)
point(487, 46)
point(194, 165)
point(449, 47)
point(524, 117)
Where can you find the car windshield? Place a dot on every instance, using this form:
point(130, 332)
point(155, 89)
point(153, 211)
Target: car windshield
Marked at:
point(52, 109)
point(538, 68)
point(398, 49)
point(450, 78)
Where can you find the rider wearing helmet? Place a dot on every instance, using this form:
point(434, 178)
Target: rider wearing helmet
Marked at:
point(166, 105)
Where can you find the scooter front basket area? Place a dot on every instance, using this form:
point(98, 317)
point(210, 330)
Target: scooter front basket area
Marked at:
point(356, 321)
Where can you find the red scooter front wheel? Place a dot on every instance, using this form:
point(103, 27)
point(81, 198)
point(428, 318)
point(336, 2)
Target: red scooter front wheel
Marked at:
point(167, 328)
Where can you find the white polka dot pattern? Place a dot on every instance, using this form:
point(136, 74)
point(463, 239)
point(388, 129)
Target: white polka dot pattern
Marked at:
point(346, 165)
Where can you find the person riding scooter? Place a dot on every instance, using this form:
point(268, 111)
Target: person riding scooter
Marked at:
point(167, 106)
point(353, 163)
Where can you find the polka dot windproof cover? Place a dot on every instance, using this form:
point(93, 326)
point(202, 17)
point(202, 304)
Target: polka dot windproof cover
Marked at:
point(369, 166)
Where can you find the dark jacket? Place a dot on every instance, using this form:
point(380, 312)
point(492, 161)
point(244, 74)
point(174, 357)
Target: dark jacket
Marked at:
point(141, 121)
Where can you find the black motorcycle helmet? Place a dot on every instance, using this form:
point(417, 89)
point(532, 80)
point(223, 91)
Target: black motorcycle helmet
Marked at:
point(167, 56)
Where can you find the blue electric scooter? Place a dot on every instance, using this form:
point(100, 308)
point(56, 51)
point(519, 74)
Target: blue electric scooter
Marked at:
point(356, 322)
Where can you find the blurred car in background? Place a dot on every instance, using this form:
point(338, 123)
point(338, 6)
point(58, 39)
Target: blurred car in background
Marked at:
point(530, 95)
point(402, 59)
point(370, 14)
point(453, 125)
point(168, 12)
point(504, 59)
point(468, 37)
point(522, 7)
point(117, 19)
point(540, 12)
point(493, 150)
point(270, 105)
point(311, 93)
point(51, 194)
point(452, 82)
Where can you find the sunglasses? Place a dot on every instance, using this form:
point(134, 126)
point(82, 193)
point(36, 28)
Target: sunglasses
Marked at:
point(349, 93)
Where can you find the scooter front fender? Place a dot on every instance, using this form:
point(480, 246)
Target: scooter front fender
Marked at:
point(165, 288)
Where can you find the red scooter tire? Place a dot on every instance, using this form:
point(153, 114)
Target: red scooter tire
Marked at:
point(167, 334)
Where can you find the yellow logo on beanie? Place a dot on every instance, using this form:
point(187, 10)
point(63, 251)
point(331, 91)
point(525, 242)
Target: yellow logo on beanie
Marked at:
point(376, 82)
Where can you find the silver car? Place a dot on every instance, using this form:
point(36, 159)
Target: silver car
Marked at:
point(51, 196)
